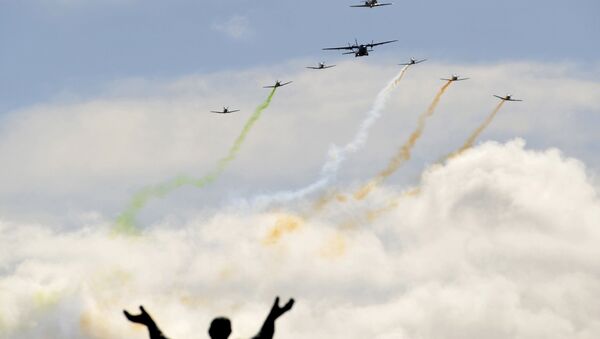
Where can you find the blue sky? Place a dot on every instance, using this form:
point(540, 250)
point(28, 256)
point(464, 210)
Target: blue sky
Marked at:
point(54, 48)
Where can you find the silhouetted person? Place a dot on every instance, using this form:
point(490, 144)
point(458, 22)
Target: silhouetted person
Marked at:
point(145, 319)
point(220, 328)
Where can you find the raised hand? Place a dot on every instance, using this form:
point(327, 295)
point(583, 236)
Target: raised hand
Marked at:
point(145, 319)
point(277, 311)
point(268, 328)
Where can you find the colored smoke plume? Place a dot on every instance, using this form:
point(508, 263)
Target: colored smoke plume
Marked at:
point(338, 155)
point(404, 153)
point(126, 221)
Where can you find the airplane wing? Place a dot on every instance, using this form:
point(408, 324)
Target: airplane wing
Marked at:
point(412, 63)
point(446, 79)
point(360, 6)
point(380, 43)
point(504, 98)
point(378, 5)
point(237, 110)
point(217, 112)
point(286, 83)
point(461, 79)
point(324, 67)
point(268, 86)
point(339, 48)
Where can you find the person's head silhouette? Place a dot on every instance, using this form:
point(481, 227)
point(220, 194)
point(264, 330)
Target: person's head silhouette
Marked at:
point(220, 328)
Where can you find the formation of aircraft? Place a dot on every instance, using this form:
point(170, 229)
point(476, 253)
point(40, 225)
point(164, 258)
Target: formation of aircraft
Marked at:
point(320, 66)
point(372, 4)
point(359, 50)
point(225, 111)
point(278, 84)
point(507, 97)
point(413, 62)
point(455, 77)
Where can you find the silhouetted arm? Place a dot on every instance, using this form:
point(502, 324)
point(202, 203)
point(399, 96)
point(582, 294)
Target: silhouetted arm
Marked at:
point(268, 328)
point(145, 319)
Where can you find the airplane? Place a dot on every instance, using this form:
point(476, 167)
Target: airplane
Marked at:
point(371, 4)
point(455, 78)
point(225, 111)
point(413, 62)
point(321, 66)
point(278, 84)
point(359, 50)
point(508, 97)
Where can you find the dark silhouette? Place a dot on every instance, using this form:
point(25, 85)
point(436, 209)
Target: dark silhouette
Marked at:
point(145, 319)
point(268, 328)
point(220, 328)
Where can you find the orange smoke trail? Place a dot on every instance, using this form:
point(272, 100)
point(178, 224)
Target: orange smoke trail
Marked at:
point(374, 214)
point(405, 151)
point(473, 137)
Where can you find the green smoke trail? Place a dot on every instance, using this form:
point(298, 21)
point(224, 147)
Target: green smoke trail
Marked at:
point(126, 220)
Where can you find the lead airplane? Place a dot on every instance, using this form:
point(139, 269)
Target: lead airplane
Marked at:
point(508, 97)
point(225, 111)
point(371, 4)
point(413, 62)
point(455, 78)
point(320, 66)
point(359, 50)
point(278, 84)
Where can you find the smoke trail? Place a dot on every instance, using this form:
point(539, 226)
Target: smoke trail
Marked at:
point(405, 151)
point(337, 155)
point(372, 215)
point(126, 221)
point(473, 137)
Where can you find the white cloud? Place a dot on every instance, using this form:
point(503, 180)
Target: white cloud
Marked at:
point(501, 242)
point(236, 27)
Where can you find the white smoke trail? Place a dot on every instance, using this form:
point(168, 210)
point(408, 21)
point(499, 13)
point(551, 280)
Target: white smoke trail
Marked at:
point(336, 155)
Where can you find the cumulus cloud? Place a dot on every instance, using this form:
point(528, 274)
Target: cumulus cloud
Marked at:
point(236, 27)
point(501, 242)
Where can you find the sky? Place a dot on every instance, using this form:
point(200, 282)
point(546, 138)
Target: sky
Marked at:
point(101, 100)
point(70, 48)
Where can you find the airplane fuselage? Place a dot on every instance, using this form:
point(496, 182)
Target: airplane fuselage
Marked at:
point(361, 51)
